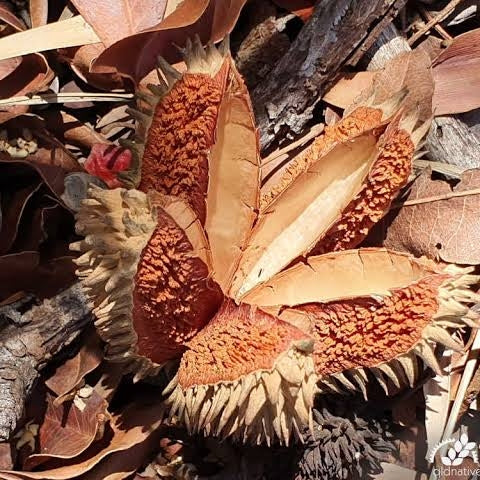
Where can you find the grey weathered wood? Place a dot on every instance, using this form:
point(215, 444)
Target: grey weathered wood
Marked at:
point(28, 341)
point(284, 102)
point(453, 139)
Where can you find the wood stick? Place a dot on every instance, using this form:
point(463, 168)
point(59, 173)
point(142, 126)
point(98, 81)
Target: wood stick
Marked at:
point(332, 37)
point(29, 341)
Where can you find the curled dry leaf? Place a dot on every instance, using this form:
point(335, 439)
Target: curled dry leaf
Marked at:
point(38, 12)
point(22, 75)
point(114, 20)
point(69, 129)
point(80, 60)
point(444, 230)
point(409, 72)
point(456, 74)
point(70, 373)
point(36, 229)
point(211, 20)
point(130, 429)
point(67, 431)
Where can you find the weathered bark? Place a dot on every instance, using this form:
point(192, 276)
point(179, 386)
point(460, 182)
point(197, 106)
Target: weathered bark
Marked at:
point(28, 341)
point(335, 35)
point(453, 139)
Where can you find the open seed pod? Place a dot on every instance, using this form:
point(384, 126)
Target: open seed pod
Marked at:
point(145, 266)
point(340, 193)
point(247, 375)
point(190, 265)
point(371, 309)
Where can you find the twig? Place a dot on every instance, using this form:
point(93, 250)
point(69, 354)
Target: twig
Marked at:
point(437, 198)
point(440, 167)
point(46, 98)
point(29, 341)
point(442, 15)
point(334, 35)
point(428, 16)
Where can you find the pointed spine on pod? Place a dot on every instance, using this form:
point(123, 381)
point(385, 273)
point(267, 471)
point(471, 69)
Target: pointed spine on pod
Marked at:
point(144, 264)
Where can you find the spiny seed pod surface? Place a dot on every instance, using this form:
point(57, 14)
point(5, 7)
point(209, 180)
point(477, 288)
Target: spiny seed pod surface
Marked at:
point(145, 266)
point(246, 375)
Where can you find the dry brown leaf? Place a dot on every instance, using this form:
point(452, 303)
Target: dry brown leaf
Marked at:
point(38, 259)
point(69, 129)
point(66, 33)
point(80, 60)
point(457, 75)
point(121, 465)
point(67, 431)
point(113, 20)
point(38, 12)
point(70, 373)
point(410, 71)
point(348, 87)
point(22, 75)
point(211, 20)
point(444, 230)
point(130, 429)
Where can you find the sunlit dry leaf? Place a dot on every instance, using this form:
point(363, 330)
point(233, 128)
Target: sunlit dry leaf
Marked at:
point(409, 72)
point(347, 88)
point(457, 77)
point(443, 230)
point(66, 33)
point(67, 431)
point(70, 373)
point(210, 20)
point(114, 20)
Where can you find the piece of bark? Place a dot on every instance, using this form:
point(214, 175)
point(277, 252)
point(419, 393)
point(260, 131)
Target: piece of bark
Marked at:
point(332, 37)
point(29, 341)
point(453, 139)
